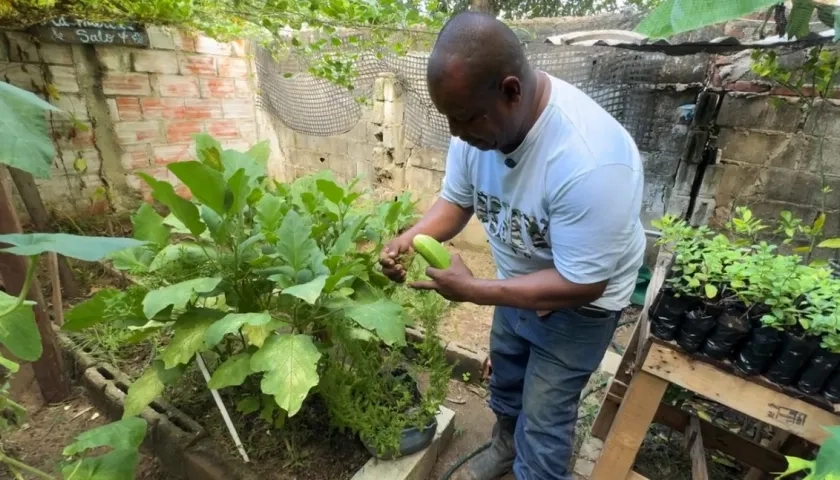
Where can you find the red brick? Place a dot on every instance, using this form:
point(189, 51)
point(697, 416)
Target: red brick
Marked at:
point(218, 88)
point(244, 88)
point(166, 154)
point(163, 108)
point(208, 45)
point(129, 108)
point(73, 134)
point(233, 67)
point(130, 133)
point(135, 157)
point(224, 129)
point(182, 131)
point(131, 84)
point(238, 108)
point(176, 86)
point(183, 191)
point(197, 64)
point(203, 109)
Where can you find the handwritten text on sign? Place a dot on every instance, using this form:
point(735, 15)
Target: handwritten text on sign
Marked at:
point(67, 30)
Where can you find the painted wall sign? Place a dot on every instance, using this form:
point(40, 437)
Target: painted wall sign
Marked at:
point(71, 30)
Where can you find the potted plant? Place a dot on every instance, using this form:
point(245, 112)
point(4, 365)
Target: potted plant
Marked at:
point(823, 319)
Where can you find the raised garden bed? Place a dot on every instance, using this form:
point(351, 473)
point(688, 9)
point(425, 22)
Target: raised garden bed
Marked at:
point(738, 303)
point(260, 313)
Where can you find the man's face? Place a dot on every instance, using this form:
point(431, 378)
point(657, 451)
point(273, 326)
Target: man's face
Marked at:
point(483, 117)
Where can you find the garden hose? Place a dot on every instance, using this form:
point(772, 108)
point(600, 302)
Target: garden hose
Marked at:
point(464, 459)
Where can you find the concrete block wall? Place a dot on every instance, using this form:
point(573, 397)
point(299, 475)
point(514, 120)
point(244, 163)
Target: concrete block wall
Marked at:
point(129, 110)
point(774, 156)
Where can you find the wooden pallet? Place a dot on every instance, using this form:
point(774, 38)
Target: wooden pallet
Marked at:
point(634, 401)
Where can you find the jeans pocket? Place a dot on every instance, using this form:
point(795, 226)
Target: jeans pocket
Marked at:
point(573, 326)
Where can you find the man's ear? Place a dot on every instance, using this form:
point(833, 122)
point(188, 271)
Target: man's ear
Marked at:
point(511, 88)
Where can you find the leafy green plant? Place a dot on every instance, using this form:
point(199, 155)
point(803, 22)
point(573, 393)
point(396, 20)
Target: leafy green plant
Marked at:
point(826, 466)
point(280, 283)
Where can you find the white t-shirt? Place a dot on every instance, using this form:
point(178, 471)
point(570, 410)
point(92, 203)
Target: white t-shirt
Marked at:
point(571, 201)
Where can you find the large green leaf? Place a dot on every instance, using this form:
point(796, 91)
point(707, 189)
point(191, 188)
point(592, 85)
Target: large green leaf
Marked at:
point(135, 259)
point(106, 306)
point(148, 226)
point(206, 184)
point(295, 243)
point(23, 127)
point(149, 386)
point(109, 466)
point(177, 295)
point(209, 150)
point(231, 324)
point(239, 188)
point(676, 16)
point(18, 330)
point(309, 291)
point(382, 316)
point(260, 152)
point(830, 243)
point(188, 336)
point(127, 433)
point(189, 252)
point(828, 458)
point(331, 190)
point(234, 161)
point(269, 212)
point(90, 249)
point(181, 208)
point(291, 366)
point(231, 372)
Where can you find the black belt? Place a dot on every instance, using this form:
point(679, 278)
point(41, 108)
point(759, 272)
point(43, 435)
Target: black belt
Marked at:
point(592, 311)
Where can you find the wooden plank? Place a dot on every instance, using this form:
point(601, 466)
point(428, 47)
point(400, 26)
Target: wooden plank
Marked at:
point(608, 409)
point(694, 445)
point(776, 409)
point(629, 427)
point(657, 279)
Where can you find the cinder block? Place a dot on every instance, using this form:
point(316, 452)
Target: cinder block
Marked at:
point(196, 64)
point(56, 54)
point(183, 130)
point(237, 108)
point(72, 104)
point(114, 59)
point(22, 48)
point(760, 112)
point(208, 45)
point(152, 61)
point(63, 78)
point(233, 67)
point(160, 38)
point(417, 466)
point(131, 133)
point(218, 88)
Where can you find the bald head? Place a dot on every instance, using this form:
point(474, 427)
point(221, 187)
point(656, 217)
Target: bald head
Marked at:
point(480, 80)
point(476, 49)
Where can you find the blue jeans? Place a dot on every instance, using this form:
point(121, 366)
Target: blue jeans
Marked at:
point(540, 365)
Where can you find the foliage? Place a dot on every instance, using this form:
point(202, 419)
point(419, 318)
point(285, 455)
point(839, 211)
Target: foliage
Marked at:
point(677, 16)
point(516, 10)
point(31, 151)
point(311, 28)
point(279, 283)
point(827, 464)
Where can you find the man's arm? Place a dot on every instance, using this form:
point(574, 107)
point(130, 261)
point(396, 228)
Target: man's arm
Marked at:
point(443, 221)
point(591, 225)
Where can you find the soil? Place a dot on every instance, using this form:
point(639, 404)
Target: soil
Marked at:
point(46, 431)
point(468, 323)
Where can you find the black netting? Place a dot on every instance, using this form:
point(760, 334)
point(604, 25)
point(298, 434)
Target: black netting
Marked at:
point(621, 81)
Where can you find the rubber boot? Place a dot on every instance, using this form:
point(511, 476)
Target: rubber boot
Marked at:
point(497, 460)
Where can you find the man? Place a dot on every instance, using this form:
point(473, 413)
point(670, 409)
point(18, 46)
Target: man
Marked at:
point(557, 183)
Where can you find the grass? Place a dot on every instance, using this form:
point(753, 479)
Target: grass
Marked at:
point(420, 304)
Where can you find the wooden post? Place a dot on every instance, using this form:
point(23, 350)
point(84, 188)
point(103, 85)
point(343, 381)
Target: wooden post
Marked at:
point(49, 369)
point(694, 445)
point(39, 217)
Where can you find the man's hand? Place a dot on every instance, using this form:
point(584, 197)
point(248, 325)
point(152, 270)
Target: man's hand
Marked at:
point(455, 283)
point(389, 258)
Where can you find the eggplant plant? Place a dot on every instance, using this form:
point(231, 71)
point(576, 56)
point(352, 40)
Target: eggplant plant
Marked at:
point(278, 284)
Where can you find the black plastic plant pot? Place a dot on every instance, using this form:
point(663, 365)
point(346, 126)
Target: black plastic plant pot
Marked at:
point(695, 329)
point(731, 328)
point(667, 313)
point(832, 387)
point(817, 372)
point(791, 358)
point(412, 440)
point(755, 355)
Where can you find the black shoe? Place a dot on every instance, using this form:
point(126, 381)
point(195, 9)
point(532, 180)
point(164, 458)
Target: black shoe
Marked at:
point(495, 461)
